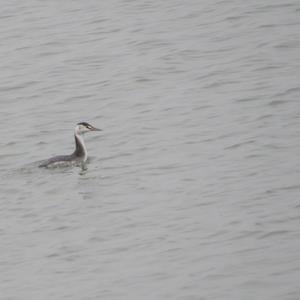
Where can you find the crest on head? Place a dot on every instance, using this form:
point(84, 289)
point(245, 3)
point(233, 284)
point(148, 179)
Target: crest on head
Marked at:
point(84, 127)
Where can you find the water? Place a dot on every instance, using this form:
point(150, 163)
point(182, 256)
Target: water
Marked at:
point(192, 191)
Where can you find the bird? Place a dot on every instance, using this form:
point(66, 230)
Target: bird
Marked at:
point(79, 156)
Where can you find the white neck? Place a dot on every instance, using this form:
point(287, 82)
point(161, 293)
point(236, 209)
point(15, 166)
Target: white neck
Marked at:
point(80, 146)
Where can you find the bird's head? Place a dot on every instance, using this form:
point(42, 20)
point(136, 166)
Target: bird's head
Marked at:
point(84, 127)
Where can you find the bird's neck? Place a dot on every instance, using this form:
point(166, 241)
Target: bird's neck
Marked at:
point(80, 149)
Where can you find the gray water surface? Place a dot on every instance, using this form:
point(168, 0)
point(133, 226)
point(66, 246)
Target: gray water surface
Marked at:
point(192, 189)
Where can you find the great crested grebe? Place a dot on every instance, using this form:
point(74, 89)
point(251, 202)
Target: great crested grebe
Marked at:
point(79, 156)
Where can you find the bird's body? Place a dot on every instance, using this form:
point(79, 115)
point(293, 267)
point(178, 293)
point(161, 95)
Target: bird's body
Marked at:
point(79, 156)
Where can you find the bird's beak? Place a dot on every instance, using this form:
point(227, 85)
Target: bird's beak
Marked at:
point(95, 129)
